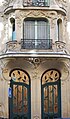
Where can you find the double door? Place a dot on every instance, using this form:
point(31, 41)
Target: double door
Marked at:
point(20, 102)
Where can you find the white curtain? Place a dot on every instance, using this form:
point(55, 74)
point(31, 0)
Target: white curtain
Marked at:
point(29, 30)
point(42, 30)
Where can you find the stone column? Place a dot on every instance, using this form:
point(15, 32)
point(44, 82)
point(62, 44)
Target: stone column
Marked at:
point(18, 24)
point(4, 112)
point(53, 29)
point(35, 95)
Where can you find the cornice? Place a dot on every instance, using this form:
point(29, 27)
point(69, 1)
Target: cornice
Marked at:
point(35, 54)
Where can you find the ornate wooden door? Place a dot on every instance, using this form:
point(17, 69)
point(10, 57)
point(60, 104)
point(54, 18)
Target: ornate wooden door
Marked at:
point(51, 95)
point(20, 100)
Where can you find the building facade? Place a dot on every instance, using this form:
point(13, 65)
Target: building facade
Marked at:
point(34, 60)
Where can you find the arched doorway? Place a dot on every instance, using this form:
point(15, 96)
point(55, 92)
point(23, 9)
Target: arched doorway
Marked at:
point(51, 94)
point(20, 99)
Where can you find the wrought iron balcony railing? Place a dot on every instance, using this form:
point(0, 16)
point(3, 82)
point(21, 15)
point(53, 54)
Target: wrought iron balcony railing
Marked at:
point(36, 44)
point(35, 3)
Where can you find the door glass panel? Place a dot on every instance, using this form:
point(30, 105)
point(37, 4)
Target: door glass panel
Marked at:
point(25, 103)
point(55, 98)
point(20, 99)
point(50, 99)
point(46, 99)
point(15, 109)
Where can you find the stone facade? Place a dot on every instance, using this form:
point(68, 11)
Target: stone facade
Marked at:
point(34, 61)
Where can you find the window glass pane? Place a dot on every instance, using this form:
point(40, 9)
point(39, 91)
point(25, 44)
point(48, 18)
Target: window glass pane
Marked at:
point(13, 35)
point(41, 26)
point(42, 30)
point(29, 30)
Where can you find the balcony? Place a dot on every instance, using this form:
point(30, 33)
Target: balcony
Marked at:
point(39, 45)
point(30, 3)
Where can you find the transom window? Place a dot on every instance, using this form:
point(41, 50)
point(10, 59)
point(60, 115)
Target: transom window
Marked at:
point(51, 76)
point(20, 76)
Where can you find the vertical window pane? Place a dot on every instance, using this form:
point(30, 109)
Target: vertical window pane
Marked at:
point(42, 30)
point(29, 30)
